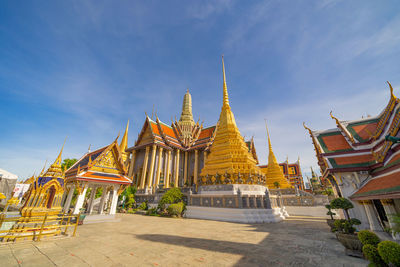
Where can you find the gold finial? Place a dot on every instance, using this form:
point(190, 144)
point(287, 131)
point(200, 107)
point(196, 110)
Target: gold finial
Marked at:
point(391, 90)
point(44, 167)
point(336, 119)
point(88, 151)
point(124, 141)
point(58, 160)
point(305, 127)
point(79, 169)
point(225, 88)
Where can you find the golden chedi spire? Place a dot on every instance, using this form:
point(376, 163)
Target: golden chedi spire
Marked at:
point(55, 169)
point(229, 155)
point(186, 121)
point(274, 171)
point(124, 143)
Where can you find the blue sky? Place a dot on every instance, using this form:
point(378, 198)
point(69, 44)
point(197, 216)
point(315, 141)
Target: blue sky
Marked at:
point(83, 68)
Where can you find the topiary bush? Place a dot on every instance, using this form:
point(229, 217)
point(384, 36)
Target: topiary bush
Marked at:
point(176, 209)
point(330, 213)
point(342, 203)
point(390, 252)
point(368, 238)
point(371, 253)
point(345, 226)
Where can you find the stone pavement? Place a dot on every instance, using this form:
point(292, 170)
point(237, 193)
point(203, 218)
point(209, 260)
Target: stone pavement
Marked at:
point(139, 240)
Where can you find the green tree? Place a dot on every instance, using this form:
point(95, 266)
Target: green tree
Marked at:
point(277, 184)
point(68, 163)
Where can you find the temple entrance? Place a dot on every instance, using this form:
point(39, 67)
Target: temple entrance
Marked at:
point(381, 213)
point(51, 193)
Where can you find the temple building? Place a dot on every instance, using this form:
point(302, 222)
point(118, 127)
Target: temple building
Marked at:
point(45, 193)
point(273, 171)
point(103, 169)
point(169, 155)
point(361, 159)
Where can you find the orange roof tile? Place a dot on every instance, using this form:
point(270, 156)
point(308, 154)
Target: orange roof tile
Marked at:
point(154, 127)
point(365, 131)
point(380, 186)
point(355, 159)
point(206, 133)
point(336, 142)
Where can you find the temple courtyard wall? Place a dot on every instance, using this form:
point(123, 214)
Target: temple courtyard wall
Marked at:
point(139, 240)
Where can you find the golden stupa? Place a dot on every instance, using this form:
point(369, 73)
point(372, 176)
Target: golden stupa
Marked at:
point(229, 161)
point(274, 171)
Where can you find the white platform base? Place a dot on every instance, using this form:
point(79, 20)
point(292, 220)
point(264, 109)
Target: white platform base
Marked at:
point(235, 215)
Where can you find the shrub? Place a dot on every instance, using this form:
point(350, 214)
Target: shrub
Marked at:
point(342, 203)
point(172, 196)
point(176, 209)
point(390, 252)
point(143, 206)
point(152, 212)
point(345, 226)
point(368, 238)
point(371, 253)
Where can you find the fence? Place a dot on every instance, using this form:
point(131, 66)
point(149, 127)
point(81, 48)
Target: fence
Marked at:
point(34, 228)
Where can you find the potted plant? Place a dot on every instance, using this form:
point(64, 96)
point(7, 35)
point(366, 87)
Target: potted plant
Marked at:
point(344, 228)
point(330, 221)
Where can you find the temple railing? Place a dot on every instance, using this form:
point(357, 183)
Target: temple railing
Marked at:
point(13, 229)
point(233, 201)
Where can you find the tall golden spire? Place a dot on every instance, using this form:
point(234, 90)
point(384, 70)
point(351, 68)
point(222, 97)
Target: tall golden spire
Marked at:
point(225, 88)
point(229, 153)
point(274, 171)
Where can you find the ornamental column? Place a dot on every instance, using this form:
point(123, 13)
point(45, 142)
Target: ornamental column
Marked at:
point(160, 156)
point(151, 170)
point(114, 200)
point(168, 170)
point(388, 205)
point(69, 198)
point(144, 171)
point(132, 165)
point(176, 178)
point(80, 200)
point(91, 199)
point(185, 170)
point(196, 163)
point(373, 221)
point(102, 200)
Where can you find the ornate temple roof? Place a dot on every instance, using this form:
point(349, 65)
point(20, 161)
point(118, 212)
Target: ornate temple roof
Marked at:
point(104, 165)
point(359, 144)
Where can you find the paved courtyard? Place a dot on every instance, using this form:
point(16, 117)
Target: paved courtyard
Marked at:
point(154, 241)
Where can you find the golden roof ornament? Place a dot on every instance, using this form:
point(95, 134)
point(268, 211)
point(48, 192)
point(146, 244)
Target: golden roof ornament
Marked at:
point(55, 169)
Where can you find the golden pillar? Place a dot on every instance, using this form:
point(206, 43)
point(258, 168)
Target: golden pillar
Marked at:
point(185, 170)
point(205, 156)
point(168, 170)
point(151, 170)
point(144, 171)
point(160, 154)
point(176, 180)
point(196, 163)
point(132, 165)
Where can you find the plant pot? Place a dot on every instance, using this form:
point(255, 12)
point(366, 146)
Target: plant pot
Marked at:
point(353, 246)
point(331, 223)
